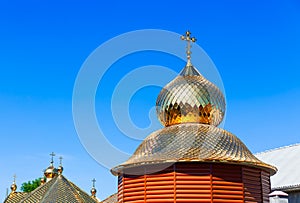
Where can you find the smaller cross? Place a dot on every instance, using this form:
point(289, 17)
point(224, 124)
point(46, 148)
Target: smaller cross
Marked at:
point(15, 178)
point(52, 155)
point(187, 37)
point(60, 160)
point(94, 180)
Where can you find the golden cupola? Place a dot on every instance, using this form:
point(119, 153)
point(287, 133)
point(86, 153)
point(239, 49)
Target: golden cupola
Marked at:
point(13, 186)
point(51, 171)
point(190, 98)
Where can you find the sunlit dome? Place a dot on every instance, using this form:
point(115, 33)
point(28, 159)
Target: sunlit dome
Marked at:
point(190, 98)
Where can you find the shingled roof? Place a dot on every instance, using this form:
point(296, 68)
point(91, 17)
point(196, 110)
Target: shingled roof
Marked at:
point(111, 199)
point(15, 197)
point(59, 190)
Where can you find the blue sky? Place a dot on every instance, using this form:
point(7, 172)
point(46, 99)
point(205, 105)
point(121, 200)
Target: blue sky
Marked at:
point(255, 46)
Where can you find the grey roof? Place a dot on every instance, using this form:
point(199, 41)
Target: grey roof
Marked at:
point(57, 190)
point(15, 197)
point(287, 161)
point(111, 199)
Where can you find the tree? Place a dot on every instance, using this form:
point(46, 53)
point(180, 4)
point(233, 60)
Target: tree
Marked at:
point(30, 185)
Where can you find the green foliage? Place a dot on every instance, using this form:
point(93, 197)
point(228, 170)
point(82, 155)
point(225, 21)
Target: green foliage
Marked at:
point(30, 185)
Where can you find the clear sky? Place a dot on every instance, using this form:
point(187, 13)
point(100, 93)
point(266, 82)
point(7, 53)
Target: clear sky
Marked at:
point(255, 46)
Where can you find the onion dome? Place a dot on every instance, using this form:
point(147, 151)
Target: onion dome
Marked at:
point(190, 98)
point(51, 171)
point(60, 170)
point(42, 180)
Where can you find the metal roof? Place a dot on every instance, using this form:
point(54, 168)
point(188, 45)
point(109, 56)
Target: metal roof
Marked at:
point(58, 190)
point(192, 142)
point(287, 161)
point(15, 197)
point(111, 199)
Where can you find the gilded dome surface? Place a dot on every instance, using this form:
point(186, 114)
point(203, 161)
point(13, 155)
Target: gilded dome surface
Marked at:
point(50, 172)
point(190, 98)
point(192, 142)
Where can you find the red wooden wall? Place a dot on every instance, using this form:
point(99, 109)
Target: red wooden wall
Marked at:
point(195, 182)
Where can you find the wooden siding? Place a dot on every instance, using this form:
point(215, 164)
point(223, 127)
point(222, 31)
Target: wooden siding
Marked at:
point(195, 182)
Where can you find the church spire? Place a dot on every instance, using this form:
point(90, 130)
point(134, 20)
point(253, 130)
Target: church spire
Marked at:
point(51, 171)
point(13, 187)
point(60, 167)
point(93, 190)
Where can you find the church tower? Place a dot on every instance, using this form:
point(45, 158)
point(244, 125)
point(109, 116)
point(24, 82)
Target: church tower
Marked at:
point(191, 159)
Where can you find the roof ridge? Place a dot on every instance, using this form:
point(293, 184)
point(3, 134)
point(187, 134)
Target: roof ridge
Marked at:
point(278, 148)
point(73, 189)
point(49, 189)
point(77, 194)
point(29, 194)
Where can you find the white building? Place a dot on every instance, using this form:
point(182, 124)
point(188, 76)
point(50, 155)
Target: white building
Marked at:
point(287, 178)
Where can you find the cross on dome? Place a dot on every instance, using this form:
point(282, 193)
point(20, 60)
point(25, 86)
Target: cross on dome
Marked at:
point(60, 160)
point(94, 180)
point(15, 176)
point(52, 155)
point(187, 37)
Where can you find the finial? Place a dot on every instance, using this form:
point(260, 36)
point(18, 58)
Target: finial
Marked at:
point(93, 190)
point(43, 177)
point(187, 37)
point(60, 168)
point(42, 180)
point(52, 155)
point(51, 171)
point(13, 187)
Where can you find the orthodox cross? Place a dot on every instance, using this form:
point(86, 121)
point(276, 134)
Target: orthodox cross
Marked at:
point(187, 37)
point(94, 180)
point(52, 155)
point(60, 160)
point(15, 178)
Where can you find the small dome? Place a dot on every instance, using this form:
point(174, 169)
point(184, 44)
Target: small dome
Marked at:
point(42, 180)
point(93, 192)
point(60, 169)
point(190, 98)
point(50, 172)
point(13, 187)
